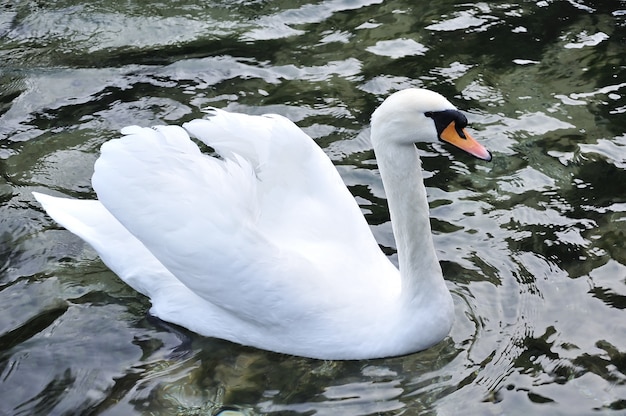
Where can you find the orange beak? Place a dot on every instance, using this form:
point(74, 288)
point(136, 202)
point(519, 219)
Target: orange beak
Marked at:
point(467, 143)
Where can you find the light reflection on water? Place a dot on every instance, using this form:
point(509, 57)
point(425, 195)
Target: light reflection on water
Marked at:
point(532, 244)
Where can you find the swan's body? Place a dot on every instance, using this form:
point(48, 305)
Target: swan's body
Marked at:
point(265, 246)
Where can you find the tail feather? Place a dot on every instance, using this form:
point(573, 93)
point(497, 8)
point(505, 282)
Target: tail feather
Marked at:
point(119, 249)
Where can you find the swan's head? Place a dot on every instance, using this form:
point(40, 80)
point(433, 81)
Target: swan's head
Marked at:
point(417, 115)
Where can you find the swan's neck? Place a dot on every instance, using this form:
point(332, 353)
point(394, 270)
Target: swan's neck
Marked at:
point(401, 172)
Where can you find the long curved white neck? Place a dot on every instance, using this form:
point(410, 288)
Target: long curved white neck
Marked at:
point(401, 172)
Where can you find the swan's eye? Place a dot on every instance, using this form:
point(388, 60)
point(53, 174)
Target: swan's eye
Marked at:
point(443, 119)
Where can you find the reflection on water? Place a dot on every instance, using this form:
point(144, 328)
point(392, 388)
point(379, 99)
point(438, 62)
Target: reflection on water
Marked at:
point(532, 245)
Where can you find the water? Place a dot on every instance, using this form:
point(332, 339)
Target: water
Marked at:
point(532, 244)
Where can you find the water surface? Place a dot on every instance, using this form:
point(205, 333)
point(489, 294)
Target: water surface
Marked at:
point(532, 244)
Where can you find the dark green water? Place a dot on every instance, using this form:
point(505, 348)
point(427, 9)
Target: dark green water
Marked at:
point(532, 244)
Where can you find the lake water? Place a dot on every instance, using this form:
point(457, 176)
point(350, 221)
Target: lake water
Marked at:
point(532, 244)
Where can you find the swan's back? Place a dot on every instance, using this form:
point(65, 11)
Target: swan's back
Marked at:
point(268, 226)
point(300, 194)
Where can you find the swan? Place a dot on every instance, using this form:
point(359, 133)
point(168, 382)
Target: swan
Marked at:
point(264, 245)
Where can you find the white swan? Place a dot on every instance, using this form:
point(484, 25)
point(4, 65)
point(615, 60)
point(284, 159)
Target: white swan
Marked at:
point(265, 246)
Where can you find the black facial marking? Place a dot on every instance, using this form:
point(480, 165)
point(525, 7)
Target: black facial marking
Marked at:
point(443, 119)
